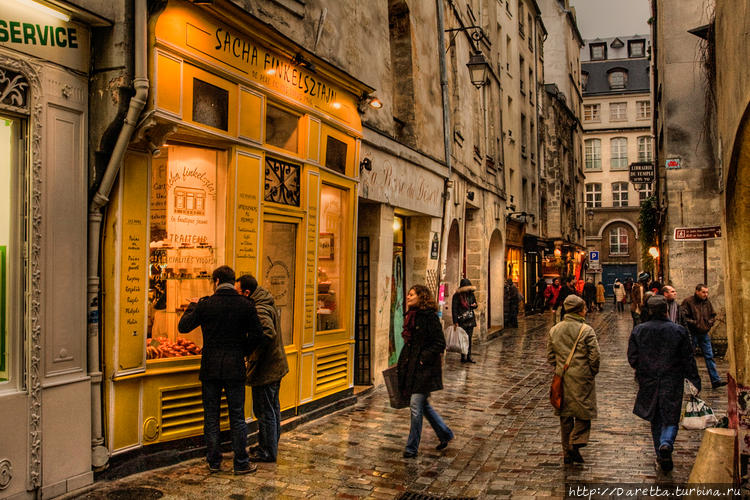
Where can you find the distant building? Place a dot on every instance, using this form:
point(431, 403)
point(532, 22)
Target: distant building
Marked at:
point(617, 132)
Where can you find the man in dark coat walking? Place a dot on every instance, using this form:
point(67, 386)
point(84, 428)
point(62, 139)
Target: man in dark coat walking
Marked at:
point(568, 288)
point(231, 330)
point(661, 353)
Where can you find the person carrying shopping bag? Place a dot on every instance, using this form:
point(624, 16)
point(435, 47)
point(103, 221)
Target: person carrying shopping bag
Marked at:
point(420, 366)
point(462, 308)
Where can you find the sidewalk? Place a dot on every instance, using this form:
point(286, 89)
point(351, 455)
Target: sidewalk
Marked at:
point(507, 437)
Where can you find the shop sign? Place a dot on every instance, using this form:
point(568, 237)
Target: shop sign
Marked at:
point(514, 234)
point(41, 35)
point(642, 172)
point(434, 247)
point(402, 185)
point(673, 164)
point(697, 233)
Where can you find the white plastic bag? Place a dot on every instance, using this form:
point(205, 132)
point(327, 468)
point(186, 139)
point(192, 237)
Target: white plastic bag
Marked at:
point(456, 340)
point(697, 414)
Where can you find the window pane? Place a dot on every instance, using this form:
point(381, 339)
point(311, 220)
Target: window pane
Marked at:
point(210, 105)
point(617, 80)
point(281, 128)
point(279, 255)
point(336, 154)
point(333, 209)
point(186, 244)
point(8, 137)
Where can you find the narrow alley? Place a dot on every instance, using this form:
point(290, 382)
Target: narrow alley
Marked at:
point(507, 437)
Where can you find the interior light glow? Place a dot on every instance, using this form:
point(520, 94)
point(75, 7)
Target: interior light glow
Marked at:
point(271, 71)
point(45, 9)
point(336, 105)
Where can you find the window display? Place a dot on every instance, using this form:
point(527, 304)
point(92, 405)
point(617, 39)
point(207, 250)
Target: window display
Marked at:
point(279, 255)
point(333, 207)
point(186, 243)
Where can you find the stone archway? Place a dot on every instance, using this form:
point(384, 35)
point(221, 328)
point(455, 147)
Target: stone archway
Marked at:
point(737, 248)
point(495, 275)
point(452, 268)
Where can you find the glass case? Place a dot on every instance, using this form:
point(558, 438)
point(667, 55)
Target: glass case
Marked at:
point(186, 226)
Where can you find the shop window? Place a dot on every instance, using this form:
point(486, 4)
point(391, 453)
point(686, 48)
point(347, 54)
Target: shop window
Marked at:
point(278, 274)
point(210, 105)
point(282, 128)
point(281, 182)
point(186, 242)
point(331, 268)
point(336, 154)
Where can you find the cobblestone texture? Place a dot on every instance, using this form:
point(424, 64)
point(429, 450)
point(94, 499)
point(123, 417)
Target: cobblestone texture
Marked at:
point(507, 437)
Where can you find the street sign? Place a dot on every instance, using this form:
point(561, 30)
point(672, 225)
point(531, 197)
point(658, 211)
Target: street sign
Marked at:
point(697, 233)
point(642, 172)
point(593, 256)
point(673, 164)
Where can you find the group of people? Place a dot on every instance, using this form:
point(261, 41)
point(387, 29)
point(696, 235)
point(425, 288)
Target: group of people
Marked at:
point(660, 350)
point(242, 345)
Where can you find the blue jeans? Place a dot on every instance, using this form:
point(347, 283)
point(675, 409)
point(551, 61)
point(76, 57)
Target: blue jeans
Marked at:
point(235, 393)
point(267, 410)
point(663, 433)
point(702, 340)
point(420, 406)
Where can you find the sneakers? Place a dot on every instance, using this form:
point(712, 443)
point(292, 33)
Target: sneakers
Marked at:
point(248, 469)
point(665, 458)
point(716, 385)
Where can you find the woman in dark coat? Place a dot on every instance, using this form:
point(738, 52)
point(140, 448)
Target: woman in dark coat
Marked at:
point(420, 366)
point(511, 301)
point(462, 308)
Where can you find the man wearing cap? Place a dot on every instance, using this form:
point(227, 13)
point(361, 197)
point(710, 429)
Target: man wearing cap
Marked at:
point(637, 296)
point(661, 353)
point(579, 391)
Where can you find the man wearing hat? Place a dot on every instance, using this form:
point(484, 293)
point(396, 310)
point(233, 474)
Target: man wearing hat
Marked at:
point(578, 408)
point(661, 353)
point(637, 296)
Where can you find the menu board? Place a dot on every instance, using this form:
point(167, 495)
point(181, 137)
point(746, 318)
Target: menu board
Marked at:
point(246, 227)
point(311, 261)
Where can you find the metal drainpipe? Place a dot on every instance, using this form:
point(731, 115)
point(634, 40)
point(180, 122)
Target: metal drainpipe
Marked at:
point(99, 452)
point(446, 138)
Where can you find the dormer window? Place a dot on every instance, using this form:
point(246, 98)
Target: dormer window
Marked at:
point(598, 51)
point(618, 79)
point(636, 48)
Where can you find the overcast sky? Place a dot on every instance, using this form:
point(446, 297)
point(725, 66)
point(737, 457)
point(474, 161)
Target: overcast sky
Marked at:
point(608, 18)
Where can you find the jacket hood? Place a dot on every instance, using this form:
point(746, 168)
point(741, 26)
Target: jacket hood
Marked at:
point(261, 296)
point(464, 282)
point(465, 289)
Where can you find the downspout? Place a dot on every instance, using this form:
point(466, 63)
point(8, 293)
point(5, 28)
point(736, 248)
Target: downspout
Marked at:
point(443, 249)
point(99, 452)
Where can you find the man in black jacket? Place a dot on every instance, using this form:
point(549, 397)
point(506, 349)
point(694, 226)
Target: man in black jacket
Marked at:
point(568, 288)
point(661, 353)
point(231, 330)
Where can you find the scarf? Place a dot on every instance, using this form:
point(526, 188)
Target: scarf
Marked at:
point(410, 320)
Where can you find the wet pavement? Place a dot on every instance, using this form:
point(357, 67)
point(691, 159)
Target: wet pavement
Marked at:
point(506, 445)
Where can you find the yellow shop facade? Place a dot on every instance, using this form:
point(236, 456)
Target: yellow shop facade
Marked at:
point(247, 154)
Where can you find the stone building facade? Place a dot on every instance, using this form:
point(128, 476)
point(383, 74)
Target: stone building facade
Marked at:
point(615, 76)
point(562, 173)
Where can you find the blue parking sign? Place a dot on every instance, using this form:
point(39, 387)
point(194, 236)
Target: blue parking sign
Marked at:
point(593, 256)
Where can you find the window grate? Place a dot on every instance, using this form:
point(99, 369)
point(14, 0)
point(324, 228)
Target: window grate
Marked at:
point(362, 343)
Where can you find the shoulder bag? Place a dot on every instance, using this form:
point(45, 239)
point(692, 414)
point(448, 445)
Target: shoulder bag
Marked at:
point(556, 389)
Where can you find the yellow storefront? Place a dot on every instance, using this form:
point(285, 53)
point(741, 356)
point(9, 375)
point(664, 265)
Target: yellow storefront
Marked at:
point(246, 155)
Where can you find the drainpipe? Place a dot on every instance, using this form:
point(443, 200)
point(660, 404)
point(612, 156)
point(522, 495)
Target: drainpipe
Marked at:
point(99, 452)
point(446, 138)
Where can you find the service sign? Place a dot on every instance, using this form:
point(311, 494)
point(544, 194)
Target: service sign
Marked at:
point(697, 233)
point(642, 172)
point(42, 35)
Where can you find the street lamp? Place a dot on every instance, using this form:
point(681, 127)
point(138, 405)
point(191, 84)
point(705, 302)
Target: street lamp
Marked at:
point(653, 252)
point(478, 68)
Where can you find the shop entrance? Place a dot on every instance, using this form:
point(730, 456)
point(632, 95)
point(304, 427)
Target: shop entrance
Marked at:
point(279, 267)
point(396, 342)
point(495, 281)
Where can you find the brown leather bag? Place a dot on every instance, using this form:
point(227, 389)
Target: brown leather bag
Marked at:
point(556, 389)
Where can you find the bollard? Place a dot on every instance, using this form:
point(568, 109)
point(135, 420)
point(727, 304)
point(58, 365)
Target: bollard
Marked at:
point(714, 463)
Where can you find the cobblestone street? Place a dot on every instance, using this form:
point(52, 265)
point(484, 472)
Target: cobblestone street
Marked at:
point(507, 437)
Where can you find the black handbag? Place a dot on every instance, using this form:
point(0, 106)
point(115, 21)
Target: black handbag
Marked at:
point(466, 318)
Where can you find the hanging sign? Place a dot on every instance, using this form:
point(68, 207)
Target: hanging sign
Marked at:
point(642, 172)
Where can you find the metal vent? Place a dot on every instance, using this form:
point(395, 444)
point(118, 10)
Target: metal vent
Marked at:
point(332, 371)
point(182, 412)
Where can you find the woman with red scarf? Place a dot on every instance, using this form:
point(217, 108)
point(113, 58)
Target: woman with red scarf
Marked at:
point(420, 366)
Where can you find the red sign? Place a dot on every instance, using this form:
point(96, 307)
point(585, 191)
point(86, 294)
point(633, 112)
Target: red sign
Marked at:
point(697, 233)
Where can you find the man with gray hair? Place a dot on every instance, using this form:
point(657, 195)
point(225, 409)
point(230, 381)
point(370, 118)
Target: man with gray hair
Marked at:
point(661, 353)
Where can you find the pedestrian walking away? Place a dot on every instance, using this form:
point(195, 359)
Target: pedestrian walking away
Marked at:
point(568, 288)
point(266, 366)
point(420, 366)
point(589, 294)
point(698, 316)
point(661, 353)
point(578, 408)
point(231, 330)
point(600, 300)
point(619, 292)
point(539, 289)
point(511, 302)
point(637, 295)
point(462, 308)
point(673, 308)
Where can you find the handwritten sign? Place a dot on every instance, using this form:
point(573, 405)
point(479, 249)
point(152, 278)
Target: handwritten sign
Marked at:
point(246, 225)
point(311, 275)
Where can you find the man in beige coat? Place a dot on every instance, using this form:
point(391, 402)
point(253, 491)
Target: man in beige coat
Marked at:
point(579, 391)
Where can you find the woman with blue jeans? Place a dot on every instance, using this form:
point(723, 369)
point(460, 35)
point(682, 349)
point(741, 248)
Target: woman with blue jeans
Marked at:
point(420, 366)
